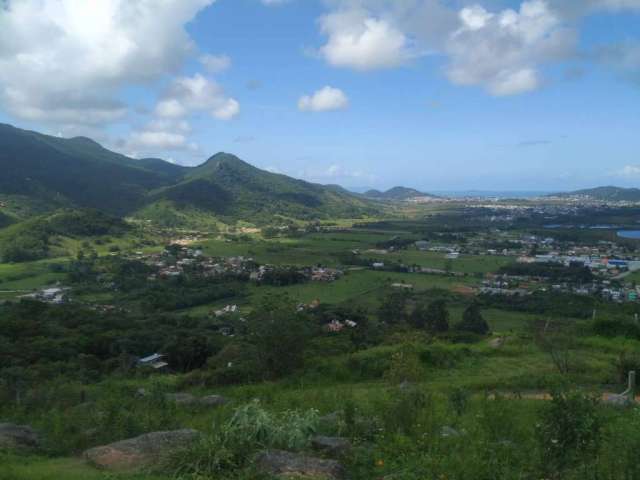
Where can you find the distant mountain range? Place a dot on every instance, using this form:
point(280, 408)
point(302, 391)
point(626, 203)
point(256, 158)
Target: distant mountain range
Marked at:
point(396, 194)
point(610, 194)
point(47, 173)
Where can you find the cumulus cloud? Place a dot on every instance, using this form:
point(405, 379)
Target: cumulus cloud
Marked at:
point(361, 41)
point(215, 63)
point(161, 134)
point(324, 100)
point(187, 95)
point(502, 51)
point(53, 51)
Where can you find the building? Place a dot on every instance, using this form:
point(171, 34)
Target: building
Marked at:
point(155, 361)
point(422, 245)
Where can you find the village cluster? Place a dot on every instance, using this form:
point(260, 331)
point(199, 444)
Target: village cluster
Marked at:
point(178, 260)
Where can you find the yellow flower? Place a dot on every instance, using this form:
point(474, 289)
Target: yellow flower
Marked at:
point(380, 463)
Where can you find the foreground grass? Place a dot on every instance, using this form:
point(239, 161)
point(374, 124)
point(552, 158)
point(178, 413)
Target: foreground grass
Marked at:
point(41, 468)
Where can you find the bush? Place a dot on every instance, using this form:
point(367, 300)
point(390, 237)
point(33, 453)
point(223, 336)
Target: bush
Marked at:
point(251, 428)
point(473, 321)
point(405, 367)
point(569, 431)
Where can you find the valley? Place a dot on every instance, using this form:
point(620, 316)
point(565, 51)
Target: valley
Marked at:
point(255, 317)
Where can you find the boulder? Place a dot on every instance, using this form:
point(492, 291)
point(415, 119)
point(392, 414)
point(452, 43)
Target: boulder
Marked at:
point(286, 464)
point(14, 436)
point(212, 401)
point(140, 452)
point(181, 398)
point(334, 446)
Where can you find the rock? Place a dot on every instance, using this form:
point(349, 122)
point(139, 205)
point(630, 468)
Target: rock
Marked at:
point(141, 393)
point(180, 398)
point(448, 432)
point(335, 446)
point(212, 401)
point(496, 342)
point(18, 437)
point(139, 452)
point(287, 464)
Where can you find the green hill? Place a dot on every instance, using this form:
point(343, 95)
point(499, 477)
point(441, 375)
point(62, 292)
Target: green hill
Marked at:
point(230, 187)
point(396, 194)
point(78, 172)
point(609, 194)
point(31, 239)
point(72, 172)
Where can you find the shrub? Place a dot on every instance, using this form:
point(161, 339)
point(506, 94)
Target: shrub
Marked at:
point(231, 445)
point(458, 399)
point(625, 363)
point(569, 431)
point(405, 367)
point(473, 321)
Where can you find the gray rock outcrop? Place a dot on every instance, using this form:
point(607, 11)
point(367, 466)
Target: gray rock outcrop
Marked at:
point(140, 452)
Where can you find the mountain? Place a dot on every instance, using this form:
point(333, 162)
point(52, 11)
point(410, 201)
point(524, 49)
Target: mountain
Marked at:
point(230, 187)
point(54, 173)
point(396, 194)
point(73, 172)
point(610, 194)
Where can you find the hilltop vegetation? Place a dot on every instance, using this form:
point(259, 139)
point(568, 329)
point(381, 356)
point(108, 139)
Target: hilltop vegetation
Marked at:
point(78, 172)
point(396, 193)
point(607, 194)
point(31, 239)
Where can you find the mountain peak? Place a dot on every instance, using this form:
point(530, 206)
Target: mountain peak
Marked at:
point(85, 141)
point(219, 162)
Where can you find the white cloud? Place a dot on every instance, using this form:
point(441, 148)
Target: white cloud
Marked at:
point(161, 134)
point(363, 42)
point(197, 93)
point(325, 99)
point(628, 171)
point(54, 51)
point(158, 140)
point(215, 63)
point(502, 52)
point(271, 3)
point(229, 109)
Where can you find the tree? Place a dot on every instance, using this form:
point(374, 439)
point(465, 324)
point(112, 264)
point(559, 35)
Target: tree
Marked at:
point(437, 320)
point(393, 306)
point(433, 317)
point(473, 321)
point(280, 335)
point(186, 354)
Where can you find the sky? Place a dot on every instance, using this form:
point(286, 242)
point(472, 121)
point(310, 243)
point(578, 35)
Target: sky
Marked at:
point(439, 95)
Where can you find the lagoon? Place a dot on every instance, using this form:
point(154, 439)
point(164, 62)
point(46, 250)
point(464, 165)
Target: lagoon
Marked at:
point(631, 234)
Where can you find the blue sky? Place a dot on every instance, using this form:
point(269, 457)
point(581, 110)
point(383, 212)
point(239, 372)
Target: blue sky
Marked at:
point(433, 94)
